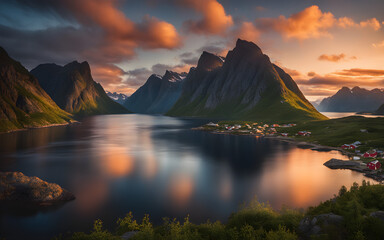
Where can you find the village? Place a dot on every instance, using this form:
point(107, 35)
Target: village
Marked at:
point(363, 158)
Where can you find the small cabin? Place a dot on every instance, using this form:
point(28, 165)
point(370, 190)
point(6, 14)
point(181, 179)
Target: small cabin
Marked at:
point(374, 165)
point(372, 154)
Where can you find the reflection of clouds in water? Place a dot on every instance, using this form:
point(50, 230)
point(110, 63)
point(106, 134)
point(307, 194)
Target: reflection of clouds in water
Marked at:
point(90, 193)
point(181, 187)
point(116, 161)
point(225, 187)
point(298, 178)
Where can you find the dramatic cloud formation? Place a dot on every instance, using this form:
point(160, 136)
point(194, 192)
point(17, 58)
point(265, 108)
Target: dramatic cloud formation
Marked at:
point(103, 35)
point(107, 73)
point(311, 23)
point(214, 21)
point(335, 57)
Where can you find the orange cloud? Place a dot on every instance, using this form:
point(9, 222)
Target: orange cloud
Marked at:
point(215, 21)
point(335, 57)
point(373, 23)
point(361, 72)
point(309, 23)
point(346, 22)
point(247, 31)
point(122, 30)
point(311, 74)
point(107, 73)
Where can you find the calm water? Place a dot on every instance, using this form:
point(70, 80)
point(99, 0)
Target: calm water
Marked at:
point(347, 114)
point(157, 165)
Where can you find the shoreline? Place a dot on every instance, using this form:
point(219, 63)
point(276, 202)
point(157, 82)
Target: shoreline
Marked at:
point(312, 146)
point(45, 126)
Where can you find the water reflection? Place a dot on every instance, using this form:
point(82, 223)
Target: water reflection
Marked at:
point(157, 165)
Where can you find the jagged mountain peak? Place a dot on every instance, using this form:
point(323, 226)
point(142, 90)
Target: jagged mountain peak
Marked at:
point(74, 90)
point(244, 86)
point(209, 62)
point(243, 45)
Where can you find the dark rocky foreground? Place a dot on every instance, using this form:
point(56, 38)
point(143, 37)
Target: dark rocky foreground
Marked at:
point(15, 186)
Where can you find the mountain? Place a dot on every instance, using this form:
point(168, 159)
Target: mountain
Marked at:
point(380, 110)
point(245, 86)
point(23, 103)
point(157, 95)
point(117, 97)
point(353, 100)
point(74, 90)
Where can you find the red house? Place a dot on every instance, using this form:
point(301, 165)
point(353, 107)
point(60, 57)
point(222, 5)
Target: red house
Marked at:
point(349, 146)
point(374, 165)
point(370, 154)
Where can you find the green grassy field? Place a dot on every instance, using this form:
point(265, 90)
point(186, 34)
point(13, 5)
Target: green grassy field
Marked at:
point(336, 132)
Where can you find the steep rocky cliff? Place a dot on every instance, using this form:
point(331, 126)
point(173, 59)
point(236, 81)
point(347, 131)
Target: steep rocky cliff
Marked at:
point(157, 95)
point(74, 90)
point(244, 86)
point(23, 103)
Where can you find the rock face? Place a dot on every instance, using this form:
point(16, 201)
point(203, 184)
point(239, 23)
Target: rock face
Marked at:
point(378, 214)
point(317, 225)
point(353, 100)
point(23, 103)
point(157, 95)
point(120, 98)
point(380, 111)
point(15, 186)
point(341, 164)
point(244, 86)
point(74, 90)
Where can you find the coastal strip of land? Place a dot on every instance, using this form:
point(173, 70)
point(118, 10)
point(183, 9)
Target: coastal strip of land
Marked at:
point(360, 138)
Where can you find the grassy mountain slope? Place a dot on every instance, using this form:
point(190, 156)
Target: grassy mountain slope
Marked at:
point(246, 87)
point(23, 103)
point(74, 90)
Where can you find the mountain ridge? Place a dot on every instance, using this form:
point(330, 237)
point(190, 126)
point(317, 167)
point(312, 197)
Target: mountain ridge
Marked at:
point(353, 100)
point(73, 89)
point(157, 95)
point(246, 86)
point(23, 102)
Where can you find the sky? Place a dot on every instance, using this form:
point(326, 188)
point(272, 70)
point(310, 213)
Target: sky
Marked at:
point(323, 44)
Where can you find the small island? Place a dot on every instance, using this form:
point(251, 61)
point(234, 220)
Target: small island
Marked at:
point(15, 186)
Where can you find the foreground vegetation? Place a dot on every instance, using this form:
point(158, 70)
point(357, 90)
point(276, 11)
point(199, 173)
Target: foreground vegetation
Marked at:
point(259, 221)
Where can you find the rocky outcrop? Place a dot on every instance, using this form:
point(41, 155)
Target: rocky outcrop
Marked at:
point(378, 214)
point(15, 186)
point(157, 95)
point(23, 103)
point(341, 164)
point(353, 100)
point(310, 227)
point(244, 86)
point(74, 90)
